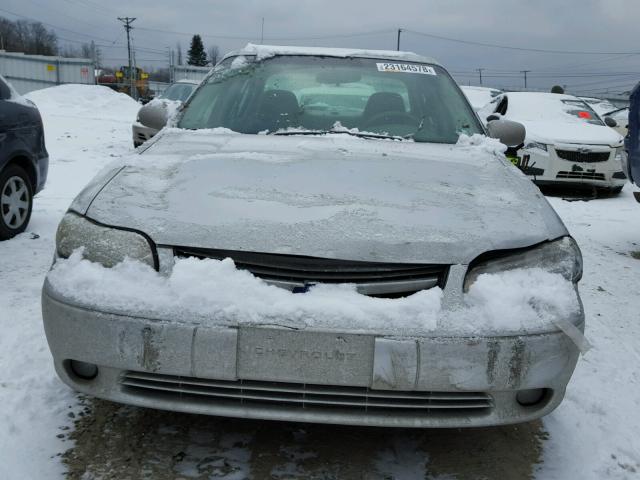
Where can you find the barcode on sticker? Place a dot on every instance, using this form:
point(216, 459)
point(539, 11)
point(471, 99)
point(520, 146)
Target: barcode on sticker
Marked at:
point(405, 68)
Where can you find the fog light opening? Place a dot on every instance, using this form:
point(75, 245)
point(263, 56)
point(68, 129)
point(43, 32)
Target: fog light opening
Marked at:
point(83, 370)
point(529, 398)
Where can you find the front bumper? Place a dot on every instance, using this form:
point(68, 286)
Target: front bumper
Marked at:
point(269, 372)
point(549, 169)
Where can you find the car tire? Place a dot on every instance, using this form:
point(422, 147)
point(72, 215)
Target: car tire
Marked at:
point(615, 191)
point(16, 201)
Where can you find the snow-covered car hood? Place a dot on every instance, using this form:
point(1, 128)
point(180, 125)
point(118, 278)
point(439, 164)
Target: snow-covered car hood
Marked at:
point(333, 196)
point(584, 133)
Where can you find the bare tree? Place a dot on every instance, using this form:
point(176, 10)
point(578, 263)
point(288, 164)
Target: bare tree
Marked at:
point(213, 53)
point(27, 37)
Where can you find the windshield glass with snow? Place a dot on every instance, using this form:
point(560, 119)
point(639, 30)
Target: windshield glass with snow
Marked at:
point(312, 94)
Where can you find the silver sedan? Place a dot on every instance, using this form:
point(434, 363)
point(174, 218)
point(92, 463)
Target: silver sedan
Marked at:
point(377, 237)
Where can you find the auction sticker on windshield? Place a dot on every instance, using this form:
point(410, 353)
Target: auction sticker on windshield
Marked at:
point(405, 68)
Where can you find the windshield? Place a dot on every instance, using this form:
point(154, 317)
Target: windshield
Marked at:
point(178, 91)
point(298, 94)
point(600, 106)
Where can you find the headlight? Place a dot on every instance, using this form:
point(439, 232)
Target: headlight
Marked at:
point(538, 145)
point(101, 244)
point(560, 256)
point(621, 154)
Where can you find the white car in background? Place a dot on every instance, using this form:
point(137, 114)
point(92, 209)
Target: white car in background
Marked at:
point(479, 96)
point(606, 109)
point(566, 142)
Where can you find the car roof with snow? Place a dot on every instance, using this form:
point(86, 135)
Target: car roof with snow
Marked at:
point(542, 105)
point(267, 51)
point(538, 96)
point(479, 96)
point(553, 117)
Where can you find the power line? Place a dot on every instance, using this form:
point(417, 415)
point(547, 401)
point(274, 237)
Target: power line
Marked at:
point(91, 37)
point(509, 47)
point(91, 5)
point(534, 74)
point(247, 37)
point(76, 19)
point(583, 64)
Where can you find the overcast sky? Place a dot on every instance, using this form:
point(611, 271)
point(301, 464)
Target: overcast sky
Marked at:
point(608, 26)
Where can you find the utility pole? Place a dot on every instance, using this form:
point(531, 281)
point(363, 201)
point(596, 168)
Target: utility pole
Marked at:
point(171, 60)
point(127, 21)
point(398, 43)
point(479, 70)
point(262, 32)
point(525, 77)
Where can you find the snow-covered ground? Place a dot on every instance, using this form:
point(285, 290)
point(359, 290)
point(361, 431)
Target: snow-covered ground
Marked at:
point(592, 435)
point(85, 128)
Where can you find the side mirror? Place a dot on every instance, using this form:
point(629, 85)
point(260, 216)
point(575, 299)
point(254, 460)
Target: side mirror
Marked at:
point(493, 117)
point(510, 133)
point(610, 122)
point(153, 115)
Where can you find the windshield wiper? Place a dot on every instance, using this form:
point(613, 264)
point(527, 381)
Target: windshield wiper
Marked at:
point(335, 132)
point(614, 111)
point(411, 136)
point(298, 132)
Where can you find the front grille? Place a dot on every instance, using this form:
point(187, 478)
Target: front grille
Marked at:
point(581, 175)
point(584, 157)
point(297, 273)
point(303, 396)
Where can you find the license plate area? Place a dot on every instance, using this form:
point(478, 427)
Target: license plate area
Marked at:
point(305, 357)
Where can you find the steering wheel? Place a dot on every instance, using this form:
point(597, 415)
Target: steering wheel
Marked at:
point(387, 118)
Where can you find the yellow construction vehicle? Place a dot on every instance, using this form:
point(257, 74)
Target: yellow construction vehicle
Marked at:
point(122, 82)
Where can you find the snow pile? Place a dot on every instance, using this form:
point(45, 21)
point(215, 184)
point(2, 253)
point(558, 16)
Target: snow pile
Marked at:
point(213, 290)
point(216, 289)
point(88, 101)
point(481, 143)
point(203, 132)
point(534, 296)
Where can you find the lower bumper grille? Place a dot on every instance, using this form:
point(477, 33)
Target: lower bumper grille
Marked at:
point(586, 157)
point(581, 175)
point(302, 396)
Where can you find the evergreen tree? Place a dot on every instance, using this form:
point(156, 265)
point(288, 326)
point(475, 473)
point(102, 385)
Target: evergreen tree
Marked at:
point(196, 54)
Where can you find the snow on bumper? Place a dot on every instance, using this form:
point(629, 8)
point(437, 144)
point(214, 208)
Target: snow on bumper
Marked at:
point(494, 366)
